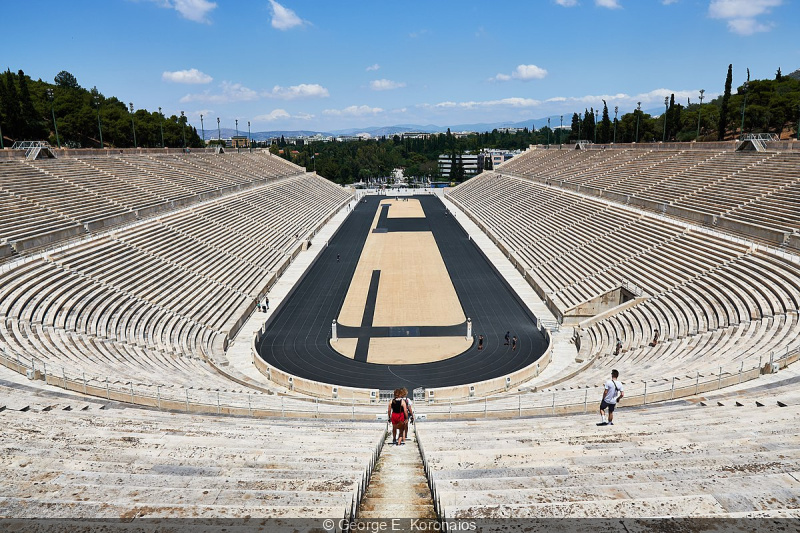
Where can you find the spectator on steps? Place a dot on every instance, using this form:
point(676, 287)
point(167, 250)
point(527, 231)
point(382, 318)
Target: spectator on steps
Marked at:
point(398, 412)
point(612, 393)
point(618, 347)
point(655, 337)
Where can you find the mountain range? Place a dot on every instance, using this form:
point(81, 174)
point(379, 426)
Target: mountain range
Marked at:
point(379, 131)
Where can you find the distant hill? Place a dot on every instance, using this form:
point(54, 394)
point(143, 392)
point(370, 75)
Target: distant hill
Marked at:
point(388, 131)
point(794, 75)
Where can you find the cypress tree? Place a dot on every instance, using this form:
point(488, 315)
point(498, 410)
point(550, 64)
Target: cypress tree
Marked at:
point(605, 126)
point(576, 127)
point(588, 123)
point(13, 118)
point(3, 101)
point(30, 120)
point(723, 110)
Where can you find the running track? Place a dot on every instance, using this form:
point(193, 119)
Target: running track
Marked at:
point(297, 337)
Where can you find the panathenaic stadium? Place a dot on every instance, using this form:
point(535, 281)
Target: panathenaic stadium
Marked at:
point(145, 377)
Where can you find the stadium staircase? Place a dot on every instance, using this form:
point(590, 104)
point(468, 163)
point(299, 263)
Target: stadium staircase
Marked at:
point(398, 486)
point(35, 149)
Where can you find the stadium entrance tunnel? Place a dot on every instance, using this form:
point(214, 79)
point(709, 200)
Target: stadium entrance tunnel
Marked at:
point(401, 278)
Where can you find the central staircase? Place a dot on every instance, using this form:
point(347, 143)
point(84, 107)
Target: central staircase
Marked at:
point(398, 489)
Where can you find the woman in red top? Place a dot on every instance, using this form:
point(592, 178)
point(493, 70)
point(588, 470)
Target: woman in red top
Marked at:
point(398, 413)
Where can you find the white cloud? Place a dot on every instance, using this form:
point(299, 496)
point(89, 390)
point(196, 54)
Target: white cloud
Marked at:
point(730, 9)
point(748, 26)
point(373, 67)
point(275, 114)
point(284, 18)
point(559, 104)
point(236, 92)
point(507, 102)
point(567, 3)
point(669, 2)
point(353, 111)
point(194, 10)
point(529, 72)
point(186, 76)
point(231, 92)
point(627, 101)
point(741, 14)
point(522, 72)
point(610, 4)
point(281, 114)
point(304, 90)
point(419, 33)
point(385, 85)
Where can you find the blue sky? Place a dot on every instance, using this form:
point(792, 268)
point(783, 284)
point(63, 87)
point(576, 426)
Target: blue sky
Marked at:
point(326, 65)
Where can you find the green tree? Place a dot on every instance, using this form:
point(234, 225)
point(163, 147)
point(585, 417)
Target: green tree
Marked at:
point(604, 135)
point(588, 123)
point(722, 127)
point(14, 127)
point(576, 127)
point(65, 79)
point(31, 119)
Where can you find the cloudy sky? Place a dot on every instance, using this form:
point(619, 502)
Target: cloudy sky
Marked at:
point(326, 65)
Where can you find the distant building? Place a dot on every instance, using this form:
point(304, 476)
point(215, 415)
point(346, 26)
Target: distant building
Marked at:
point(240, 141)
point(470, 162)
point(497, 157)
point(415, 135)
point(318, 137)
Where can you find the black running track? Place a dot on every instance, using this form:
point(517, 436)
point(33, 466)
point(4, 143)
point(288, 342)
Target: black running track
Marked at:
point(298, 335)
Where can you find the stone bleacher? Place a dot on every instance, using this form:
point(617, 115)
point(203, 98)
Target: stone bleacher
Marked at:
point(48, 201)
point(716, 459)
point(715, 302)
point(747, 193)
point(66, 458)
point(92, 308)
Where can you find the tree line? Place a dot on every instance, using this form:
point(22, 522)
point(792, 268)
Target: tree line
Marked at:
point(27, 109)
point(758, 106)
point(64, 113)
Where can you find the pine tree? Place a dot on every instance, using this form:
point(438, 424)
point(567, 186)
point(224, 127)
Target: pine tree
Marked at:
point(778, 75)
point(723, 110)
point(66, 79)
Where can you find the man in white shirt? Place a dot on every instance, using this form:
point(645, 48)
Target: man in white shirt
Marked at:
point(612, 393)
